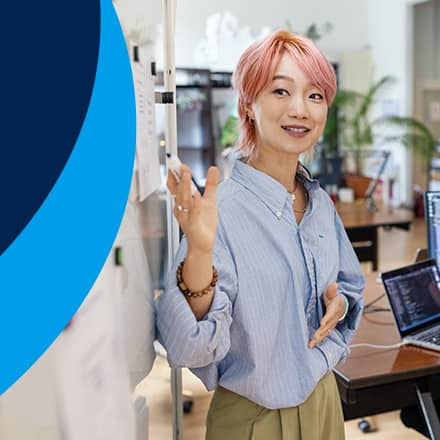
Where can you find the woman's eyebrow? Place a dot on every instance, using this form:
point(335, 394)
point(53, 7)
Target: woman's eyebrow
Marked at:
point(285, 77)
point(289, 78)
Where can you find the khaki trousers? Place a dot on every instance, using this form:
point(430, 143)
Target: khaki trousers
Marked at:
point(233, 417)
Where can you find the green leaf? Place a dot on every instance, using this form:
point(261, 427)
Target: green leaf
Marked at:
point(371, 95)
point(412, 133)
point(229, 134)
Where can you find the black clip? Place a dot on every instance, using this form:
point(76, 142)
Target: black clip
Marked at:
point(135, 54)
point(118, 256)
point(164, 97)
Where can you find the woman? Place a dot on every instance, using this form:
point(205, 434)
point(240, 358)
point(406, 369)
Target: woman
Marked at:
point(266, 290)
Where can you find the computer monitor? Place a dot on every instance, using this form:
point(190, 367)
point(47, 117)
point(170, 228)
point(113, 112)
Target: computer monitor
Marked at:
point(432, 217)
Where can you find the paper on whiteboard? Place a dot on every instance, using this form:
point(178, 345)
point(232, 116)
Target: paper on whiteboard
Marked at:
point(137, 303)
point(147, 144)
point(28, 409)
point(94, 392)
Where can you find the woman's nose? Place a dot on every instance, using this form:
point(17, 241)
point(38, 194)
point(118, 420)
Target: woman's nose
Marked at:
point(298, 108)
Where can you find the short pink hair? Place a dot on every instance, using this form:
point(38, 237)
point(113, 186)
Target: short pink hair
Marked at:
point(256, 69)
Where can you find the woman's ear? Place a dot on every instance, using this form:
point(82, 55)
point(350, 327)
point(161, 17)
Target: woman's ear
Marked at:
point(250, 114)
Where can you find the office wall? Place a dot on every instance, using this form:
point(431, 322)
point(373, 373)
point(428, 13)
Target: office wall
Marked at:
point(426, 40)
point(426, 62)
point(377, 30)
point(138, 13)
point(347, 17)
point(390, 37)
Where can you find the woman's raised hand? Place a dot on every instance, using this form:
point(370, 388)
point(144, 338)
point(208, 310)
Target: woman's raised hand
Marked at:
point(196, 214)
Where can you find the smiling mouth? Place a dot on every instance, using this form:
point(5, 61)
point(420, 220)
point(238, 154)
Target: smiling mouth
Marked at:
point(295, 129)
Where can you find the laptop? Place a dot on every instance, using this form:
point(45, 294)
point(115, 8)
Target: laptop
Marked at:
point(414, 295)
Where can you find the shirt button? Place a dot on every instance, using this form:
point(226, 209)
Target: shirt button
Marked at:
point(278, 214)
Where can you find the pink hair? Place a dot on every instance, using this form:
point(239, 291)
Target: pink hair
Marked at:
point(256, 68)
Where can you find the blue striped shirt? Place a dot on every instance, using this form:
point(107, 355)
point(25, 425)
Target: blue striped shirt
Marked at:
point(267, 304)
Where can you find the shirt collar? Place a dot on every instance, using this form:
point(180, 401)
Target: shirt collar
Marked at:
point(266, 188)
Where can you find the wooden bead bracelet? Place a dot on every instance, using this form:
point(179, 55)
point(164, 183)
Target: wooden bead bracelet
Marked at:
point(189, 293)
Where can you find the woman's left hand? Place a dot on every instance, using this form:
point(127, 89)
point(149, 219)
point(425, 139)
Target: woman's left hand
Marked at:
point(334, 310)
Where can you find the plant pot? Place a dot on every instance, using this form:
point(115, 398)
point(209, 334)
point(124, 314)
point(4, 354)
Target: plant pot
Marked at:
point(358, 183)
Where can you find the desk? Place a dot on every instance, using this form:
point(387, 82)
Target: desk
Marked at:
point(372, 381)
point(361, 226)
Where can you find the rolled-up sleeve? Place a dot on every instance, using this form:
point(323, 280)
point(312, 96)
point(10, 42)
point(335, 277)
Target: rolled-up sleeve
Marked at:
point(351, 282)
point(188, 342)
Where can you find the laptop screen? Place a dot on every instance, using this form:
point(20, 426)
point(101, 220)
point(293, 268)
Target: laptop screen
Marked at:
point(414, 295)
point(432, 216)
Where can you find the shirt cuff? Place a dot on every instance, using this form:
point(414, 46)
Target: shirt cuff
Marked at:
point(347, 306)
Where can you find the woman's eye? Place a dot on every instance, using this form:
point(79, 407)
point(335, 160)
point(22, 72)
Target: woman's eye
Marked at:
point(316, 97)
point(281, 92)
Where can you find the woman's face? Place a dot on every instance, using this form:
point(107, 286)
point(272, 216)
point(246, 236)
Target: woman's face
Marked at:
point(290, 112)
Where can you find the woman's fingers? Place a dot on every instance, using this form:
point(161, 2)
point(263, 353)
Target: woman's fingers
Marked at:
point(196, 204)
point(320, 335)
point(181, 191)
point(327, 324)
point(211, 183)
point(185, 196)
point(172, 183)
point(188, 207)
point(331, 316)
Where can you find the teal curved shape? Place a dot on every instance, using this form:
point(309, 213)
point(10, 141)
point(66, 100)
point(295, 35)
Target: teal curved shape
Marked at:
point(48, 270)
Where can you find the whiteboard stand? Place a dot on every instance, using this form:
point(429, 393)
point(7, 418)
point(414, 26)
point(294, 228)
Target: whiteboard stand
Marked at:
point(169, 15)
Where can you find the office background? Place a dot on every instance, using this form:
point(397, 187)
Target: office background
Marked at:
point(368, 40)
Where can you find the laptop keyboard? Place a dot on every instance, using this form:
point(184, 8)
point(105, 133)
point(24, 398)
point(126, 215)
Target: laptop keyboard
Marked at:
point(432, 336)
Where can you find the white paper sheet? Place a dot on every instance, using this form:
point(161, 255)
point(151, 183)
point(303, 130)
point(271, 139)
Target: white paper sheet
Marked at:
point(147, 143)
point(137, 303)
point(94, 392)
point(28, 410)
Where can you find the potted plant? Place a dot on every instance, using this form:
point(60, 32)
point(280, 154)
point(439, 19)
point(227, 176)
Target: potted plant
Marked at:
point(359, 132)
point(357, 127)
point(413, 134)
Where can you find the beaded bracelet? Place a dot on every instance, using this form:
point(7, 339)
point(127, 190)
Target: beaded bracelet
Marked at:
point(347, 305)
point(189, 293)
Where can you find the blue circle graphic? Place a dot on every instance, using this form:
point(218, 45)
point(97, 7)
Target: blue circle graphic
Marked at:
point(49, 268)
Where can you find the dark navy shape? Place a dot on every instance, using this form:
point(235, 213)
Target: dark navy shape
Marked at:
point(49, 268)
point(49, 57)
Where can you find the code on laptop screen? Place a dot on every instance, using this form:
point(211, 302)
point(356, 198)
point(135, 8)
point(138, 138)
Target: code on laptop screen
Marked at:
point(415, 297)
point(432, 216)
